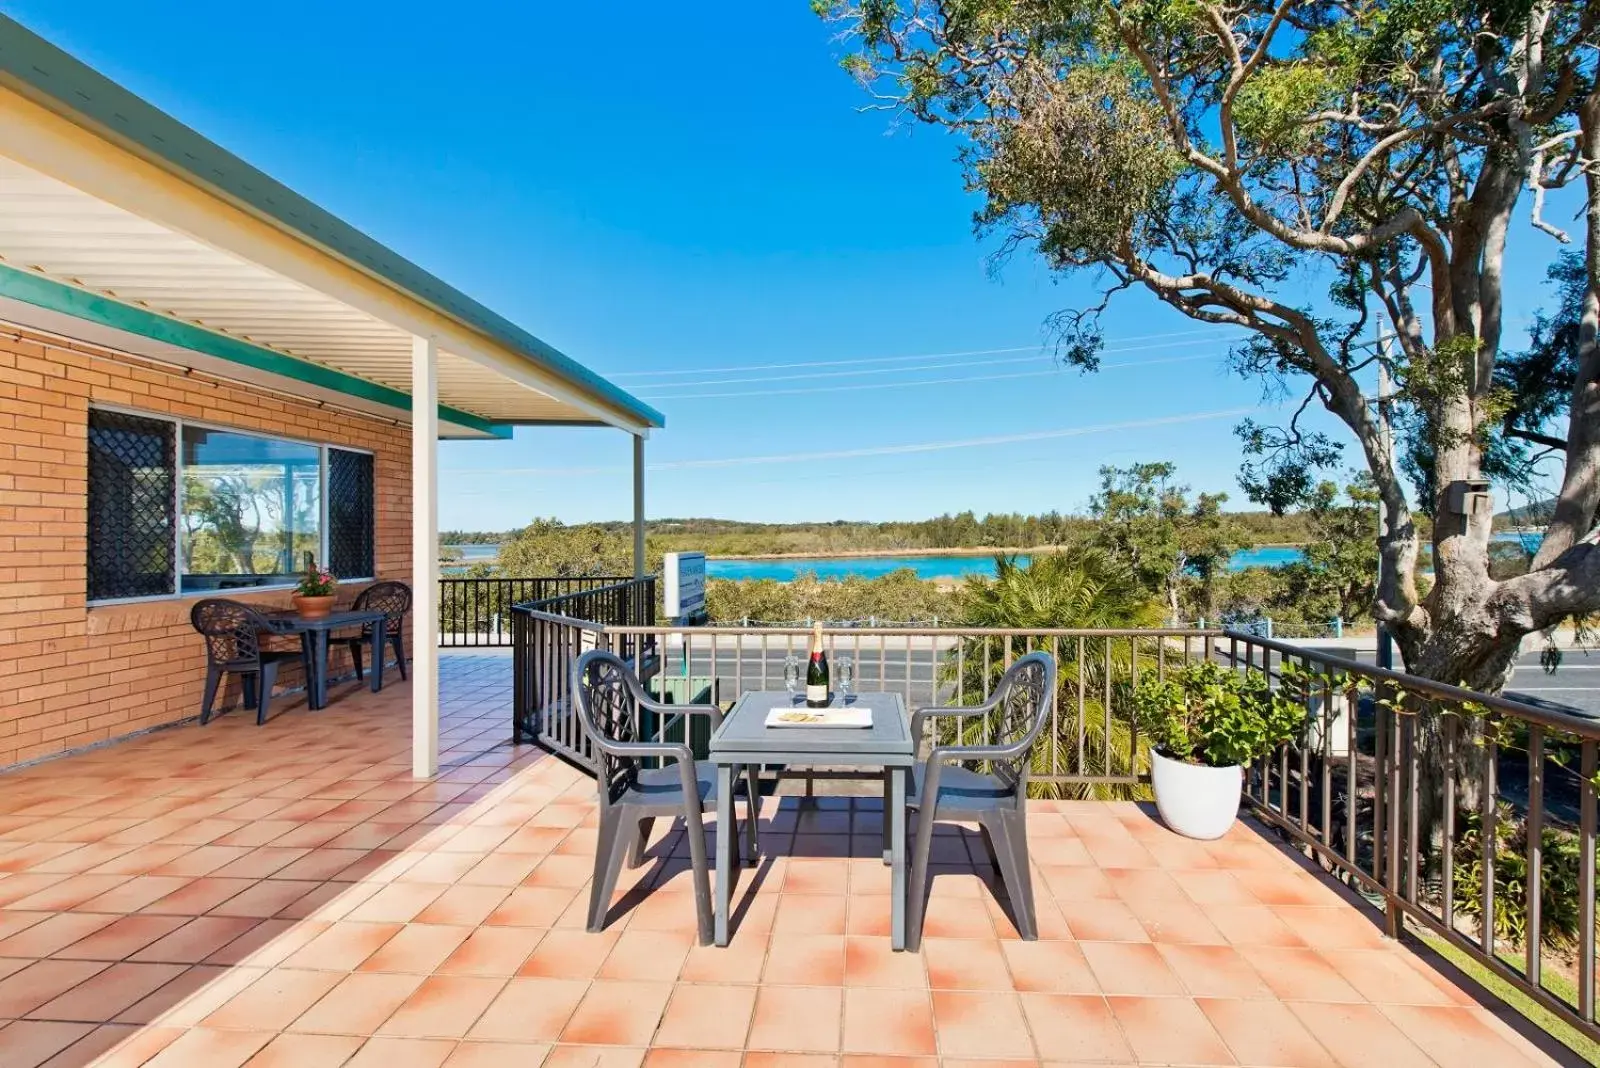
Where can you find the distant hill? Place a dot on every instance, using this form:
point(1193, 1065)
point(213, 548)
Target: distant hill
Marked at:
point(1532, 514)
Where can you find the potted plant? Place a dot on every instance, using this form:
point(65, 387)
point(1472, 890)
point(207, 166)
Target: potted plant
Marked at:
point(1205, 722)
point(313, 596)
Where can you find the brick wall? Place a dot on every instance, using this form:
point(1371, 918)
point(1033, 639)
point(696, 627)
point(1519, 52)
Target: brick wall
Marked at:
point(71, 675)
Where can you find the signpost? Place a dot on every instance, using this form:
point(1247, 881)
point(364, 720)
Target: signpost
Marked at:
point(683, 588)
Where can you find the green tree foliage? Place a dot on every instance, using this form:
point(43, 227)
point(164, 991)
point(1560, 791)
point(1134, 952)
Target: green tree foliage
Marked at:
point(547, 547)
point(1339, 572)
point(1218, 157)
point(1166, 539)
point(1074, 589)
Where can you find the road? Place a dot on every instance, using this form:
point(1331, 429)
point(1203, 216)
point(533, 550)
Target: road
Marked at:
point(1573, 687)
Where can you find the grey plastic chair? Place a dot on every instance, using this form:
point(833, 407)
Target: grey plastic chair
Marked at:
point(393, 599)
point(609, 699)
point(950, 786)
point(233, 631)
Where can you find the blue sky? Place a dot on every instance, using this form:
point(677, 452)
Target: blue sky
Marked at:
point(689, 188)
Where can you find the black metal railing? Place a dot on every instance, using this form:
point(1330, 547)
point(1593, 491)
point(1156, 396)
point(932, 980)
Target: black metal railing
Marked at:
point(476, 612)
point(548, 635)
point(1473, 817)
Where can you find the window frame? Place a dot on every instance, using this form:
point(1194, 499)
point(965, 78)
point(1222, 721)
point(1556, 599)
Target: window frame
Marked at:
point(178, 425)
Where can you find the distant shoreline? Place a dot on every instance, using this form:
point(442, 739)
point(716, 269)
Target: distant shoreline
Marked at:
point(863, 554)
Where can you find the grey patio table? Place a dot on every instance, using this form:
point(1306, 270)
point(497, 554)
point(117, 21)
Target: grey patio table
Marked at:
point(314, 631)
point(744, 739)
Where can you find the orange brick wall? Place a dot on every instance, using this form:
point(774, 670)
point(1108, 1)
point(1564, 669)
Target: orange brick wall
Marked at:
point(71, 675)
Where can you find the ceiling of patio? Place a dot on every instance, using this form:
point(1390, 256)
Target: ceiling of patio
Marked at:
point(50, 229)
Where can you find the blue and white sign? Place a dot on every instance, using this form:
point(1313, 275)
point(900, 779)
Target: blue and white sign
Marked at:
point(683, 589)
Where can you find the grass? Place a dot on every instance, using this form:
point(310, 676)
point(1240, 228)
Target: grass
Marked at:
point(1537, 1014)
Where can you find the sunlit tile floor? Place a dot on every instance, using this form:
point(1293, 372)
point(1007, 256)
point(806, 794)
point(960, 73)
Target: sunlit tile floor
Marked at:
point(288, 895)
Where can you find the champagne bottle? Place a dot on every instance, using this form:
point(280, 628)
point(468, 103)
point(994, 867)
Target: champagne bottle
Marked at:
point(817, 672)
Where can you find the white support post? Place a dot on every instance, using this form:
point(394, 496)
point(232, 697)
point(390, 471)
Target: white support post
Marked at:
point(425, 557)
point(638, 506)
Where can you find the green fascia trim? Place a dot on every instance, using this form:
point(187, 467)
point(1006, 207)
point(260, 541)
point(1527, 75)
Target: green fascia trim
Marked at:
point(55, 296)
point(56, 80)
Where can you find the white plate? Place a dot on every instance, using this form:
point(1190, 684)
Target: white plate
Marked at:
point(801, 716)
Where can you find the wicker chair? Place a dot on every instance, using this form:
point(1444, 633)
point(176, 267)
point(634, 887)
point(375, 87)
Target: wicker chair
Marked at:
point(232, 632)
point(951, 785)
point(393, 599)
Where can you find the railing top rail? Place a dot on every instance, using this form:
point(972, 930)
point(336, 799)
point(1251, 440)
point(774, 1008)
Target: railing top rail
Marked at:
point(1581, 726)
point(933, 632)
point(612, 584)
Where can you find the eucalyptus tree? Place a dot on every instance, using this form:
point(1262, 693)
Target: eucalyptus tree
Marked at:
point(1222, 155)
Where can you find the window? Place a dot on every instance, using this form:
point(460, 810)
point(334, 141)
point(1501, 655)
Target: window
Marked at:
point(186, 508)
point(251, 512)
point(130, 506)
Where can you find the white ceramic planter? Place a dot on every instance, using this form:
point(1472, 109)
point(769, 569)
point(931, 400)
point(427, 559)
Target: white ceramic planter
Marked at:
point(1195, 800)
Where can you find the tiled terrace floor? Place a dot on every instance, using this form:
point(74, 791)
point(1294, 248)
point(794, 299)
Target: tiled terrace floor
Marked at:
point(288, 895)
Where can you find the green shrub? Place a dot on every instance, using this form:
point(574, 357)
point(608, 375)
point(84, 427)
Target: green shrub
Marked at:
point(1558, 891)
point(1204, 713)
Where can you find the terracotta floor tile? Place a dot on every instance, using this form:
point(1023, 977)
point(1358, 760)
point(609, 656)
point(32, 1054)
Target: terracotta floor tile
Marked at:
point(102, 998)
point(888, 1021)
point(402, 1053)
point(463, 905)
point(871, 962)
point(643, 955)
point(100, 1047)
point(805, 960)
point(418, 949)
point(444, 1006)
point(273, 1001)
point(213, 1049)
point(265, 942)
point(1076, 1027)
point(136, 893)
point(25, 990)
point(1266, 1032)
point(191, 941)
point(265, 898)
point(200, 896)
point(1100, 920)
point(706, 1017)
point(826, 1060)
point(965, 964)
point(397, 903)
point(593, 1057)
point(1385, 977)
point(1130, 968)
point(980, 1025)
point(1049, 967)
point(798, 1019)
point(69, 893)
point(191, 983)
point(617, 1013)
point(30, 1043)
point(122, 938)
point(810, 914)
point(1381, 1045)
point(1252, 925)
point(1299, 974)
point(538, 906)
point(1169, 1031)
point(343, 946)
point(53, 934)
point(1214, 971)
point(493, 951)
point(496, 1055)
point(355, 1004)
point(529, 1010)
point(740, 962)
point(306, 1051)
point(1453, 1035)
point(1335, 927)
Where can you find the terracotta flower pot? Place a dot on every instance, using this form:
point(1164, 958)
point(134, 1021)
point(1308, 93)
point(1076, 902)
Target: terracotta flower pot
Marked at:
point(313, 607)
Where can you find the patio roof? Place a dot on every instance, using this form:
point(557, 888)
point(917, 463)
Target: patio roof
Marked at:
point(120, 225)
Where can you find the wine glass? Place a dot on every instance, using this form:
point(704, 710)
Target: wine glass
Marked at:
point(844, 670)
point(791, 675)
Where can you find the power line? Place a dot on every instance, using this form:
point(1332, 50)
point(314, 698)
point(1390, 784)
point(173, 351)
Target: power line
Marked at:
point(856, 360)
point(878, 450)
point(853, 388)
